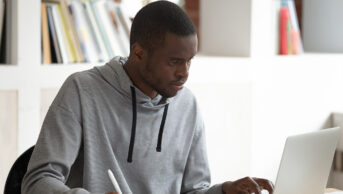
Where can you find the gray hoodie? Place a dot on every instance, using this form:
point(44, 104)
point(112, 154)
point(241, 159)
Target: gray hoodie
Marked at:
point(99, 120)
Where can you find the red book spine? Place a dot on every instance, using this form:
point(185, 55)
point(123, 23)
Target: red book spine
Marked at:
point(284, 18)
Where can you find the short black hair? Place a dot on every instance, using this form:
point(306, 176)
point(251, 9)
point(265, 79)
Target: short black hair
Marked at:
point(153, 21)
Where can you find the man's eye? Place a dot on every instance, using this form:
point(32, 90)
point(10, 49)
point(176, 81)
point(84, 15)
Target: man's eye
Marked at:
point(174, 62)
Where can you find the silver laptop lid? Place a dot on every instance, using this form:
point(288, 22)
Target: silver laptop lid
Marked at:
point(306, 162)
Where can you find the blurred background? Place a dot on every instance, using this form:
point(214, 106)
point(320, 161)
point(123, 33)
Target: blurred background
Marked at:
point(266, 69)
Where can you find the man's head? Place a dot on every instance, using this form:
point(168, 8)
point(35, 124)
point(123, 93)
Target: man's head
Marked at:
point(153, 21)
point(163, 41)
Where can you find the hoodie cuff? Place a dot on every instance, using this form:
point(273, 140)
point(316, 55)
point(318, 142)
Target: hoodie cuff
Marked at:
point(215, 189)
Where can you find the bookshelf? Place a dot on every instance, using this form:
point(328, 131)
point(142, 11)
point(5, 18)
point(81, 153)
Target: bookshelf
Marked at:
point(255, 91)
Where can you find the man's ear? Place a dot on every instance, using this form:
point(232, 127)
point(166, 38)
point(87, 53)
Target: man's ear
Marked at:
point(138, 52)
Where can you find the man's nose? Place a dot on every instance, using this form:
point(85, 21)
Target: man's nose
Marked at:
point(183, 70)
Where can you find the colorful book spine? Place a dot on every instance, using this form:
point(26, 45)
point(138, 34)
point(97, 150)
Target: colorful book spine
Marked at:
point(103, 55)
point(72, 32)
point(84, 32)
point(290, 39)
point(284, 22)
point(122, 36)
point(102, 30)
point(124, 19)
point(2, 18)
point(59, 33)
point(77, 29)
point(297, 47)
point(66, 36)
point(45, 36)
point(109, 27)
point(55, 46)
point(118, 29)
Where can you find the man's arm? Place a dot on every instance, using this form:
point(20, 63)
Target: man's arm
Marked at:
point(197, 178)
point(57, 146)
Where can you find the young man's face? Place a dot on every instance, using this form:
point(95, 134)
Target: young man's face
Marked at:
point(166, 69)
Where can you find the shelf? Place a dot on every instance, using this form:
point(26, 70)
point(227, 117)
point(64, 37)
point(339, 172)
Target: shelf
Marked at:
point(309, 61)
point(49, 76)
point(316, 56)
point(204, 69)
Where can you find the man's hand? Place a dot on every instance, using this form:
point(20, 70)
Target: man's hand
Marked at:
point(247, 185)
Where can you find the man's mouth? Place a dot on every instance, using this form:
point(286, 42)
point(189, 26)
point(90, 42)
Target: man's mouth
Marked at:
point(178, 85)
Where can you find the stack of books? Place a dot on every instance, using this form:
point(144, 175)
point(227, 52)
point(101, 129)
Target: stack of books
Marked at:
point(289, 33)
point(75, 31)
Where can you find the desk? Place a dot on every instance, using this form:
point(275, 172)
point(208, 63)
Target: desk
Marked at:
point(330, 190)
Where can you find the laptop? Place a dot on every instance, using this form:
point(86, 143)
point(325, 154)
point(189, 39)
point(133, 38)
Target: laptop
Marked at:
point(306, 162)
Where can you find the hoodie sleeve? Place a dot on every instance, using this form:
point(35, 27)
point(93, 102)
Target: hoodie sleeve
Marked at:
point(57, 146)
point(197, 178)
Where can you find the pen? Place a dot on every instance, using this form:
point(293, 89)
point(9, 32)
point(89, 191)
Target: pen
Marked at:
point(114, 182)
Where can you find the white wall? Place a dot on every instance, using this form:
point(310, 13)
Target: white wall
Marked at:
point(322, 25)
point(226, 109)
point(8, 137)
point(295, 95)
point(287, 95)
point(225, 27)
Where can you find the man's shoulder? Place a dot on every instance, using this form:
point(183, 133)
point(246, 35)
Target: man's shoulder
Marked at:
point(83, 77)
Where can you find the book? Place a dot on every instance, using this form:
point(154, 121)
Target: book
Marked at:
point(72, 32)
point(121, 33)
point(91, 32)
point(2, 17)
point(3, 30)
point(297, 47)
point(101, 29)
point(45, 35)
point(88, 45)
point(284, 23)
point(86, 30)
point(109, 27)
point(59, 33)
point(8, 42)
point(66, 36)
point(103, 55)
point(124, 19)
point(56, 53)
point(290, 39)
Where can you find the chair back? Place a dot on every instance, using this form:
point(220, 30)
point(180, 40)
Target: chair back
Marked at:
point(17, 172)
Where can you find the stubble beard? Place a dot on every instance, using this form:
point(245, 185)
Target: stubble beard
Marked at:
point(153, 83)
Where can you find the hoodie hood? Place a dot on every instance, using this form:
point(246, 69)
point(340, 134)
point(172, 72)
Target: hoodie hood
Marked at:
point(113, 72)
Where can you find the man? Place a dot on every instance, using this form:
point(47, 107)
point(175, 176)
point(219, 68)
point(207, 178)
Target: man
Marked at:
point(132, 116)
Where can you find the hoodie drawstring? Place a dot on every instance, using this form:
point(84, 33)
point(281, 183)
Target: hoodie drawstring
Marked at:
point(160, 134)
point(133, 129)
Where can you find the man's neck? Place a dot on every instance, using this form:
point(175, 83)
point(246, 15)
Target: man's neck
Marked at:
point(132, 71)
